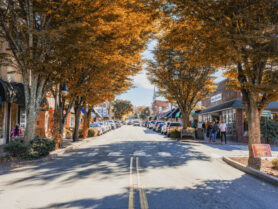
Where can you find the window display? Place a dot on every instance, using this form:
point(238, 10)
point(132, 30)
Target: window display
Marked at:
point(2, 122)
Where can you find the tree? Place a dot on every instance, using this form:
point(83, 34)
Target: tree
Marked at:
point(122, 107)
point(180, 80)
point(240, 37)
point(35, 31)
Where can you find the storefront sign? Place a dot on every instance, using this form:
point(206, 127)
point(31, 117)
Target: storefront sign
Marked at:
point(261, 150)
point(216, 98)
point(266, 113)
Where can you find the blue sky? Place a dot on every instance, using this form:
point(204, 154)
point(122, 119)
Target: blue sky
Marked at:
point(142, 93)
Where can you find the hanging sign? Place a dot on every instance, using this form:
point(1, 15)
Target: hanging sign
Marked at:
point(261, 150)
point(216, 98)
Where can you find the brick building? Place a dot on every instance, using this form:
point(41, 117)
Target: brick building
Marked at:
point(159, 106)
point(226, 104)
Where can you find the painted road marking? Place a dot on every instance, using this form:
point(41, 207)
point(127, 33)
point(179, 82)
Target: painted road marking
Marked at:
point(131, 188)
point(139, 153)
point(164, 154)
point(114, 154)
point(92, 154)
point(142, 194)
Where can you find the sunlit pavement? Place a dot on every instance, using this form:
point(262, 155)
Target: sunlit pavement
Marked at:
point(133, 167)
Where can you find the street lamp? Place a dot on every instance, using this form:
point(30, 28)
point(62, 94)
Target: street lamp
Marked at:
point(64, 89)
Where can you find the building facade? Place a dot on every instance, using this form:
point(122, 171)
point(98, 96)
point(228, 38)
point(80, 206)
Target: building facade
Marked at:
point(226, 105)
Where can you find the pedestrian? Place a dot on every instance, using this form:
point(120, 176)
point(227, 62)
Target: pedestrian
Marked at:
point(209, 132)
point(214, 131)
point(223, 129)
point(16, 132)
point(204, 130)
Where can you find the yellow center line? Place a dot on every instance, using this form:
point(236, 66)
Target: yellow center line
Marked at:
point(131, 188)
point(143, 197)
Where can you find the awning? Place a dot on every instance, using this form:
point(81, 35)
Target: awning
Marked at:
point(235, 104)
point(96, 113)
point(272, 106)
point(173, 113)
point(178, 114)
point(12, 92)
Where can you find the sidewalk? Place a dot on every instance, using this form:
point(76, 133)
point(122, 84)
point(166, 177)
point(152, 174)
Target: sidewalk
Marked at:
point(67, 146)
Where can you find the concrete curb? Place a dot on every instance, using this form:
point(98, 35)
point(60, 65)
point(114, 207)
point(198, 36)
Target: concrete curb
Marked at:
point(200, 142)
point(263, 176)
point(52, 155)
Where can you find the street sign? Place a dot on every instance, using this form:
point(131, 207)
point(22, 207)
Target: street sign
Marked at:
point(261, 150)
point(266, 113)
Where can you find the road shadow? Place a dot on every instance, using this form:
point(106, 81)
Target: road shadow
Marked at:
point(110, 202)
point(106, 161)
point(241, 193)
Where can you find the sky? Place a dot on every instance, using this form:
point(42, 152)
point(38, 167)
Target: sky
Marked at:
point(142, 92)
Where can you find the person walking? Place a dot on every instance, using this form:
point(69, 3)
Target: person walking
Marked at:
point(16, 132)
point(223, 129)
point(214, 131)
point(209, 132)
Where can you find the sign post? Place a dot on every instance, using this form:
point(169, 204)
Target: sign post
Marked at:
point(261, 150)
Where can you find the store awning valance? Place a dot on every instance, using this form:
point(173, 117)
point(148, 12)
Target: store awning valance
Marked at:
point(173, 113)
point(272, 106)
point(12, 92)
point(235, 104)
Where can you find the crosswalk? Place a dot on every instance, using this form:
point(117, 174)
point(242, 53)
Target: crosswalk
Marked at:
point(138, 153)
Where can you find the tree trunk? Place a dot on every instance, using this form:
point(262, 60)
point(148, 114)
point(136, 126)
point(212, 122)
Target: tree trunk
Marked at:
point(57, 135)
point(77, 110)
point(31, 122)
point(86, 123)
point(33, 98)
point(254, 131)
point(185, 119)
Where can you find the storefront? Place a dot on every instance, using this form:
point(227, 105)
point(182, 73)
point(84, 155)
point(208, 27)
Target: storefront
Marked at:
point(229, 112)
point(12, 110)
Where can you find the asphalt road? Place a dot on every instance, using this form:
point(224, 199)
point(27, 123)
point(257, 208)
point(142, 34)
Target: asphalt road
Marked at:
point(133, 167)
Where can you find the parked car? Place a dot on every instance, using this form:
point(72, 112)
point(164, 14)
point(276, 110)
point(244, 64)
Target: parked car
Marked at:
point(102, 127)
point(136, 123)
point(117, 123)
point(165, 127)
point(159, 126)
point(156, 124)
point(151, 124)
point(173, 126)
point(112, 124)
point(98, 127)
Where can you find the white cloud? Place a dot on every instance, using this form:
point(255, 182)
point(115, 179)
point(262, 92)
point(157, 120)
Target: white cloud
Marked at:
point(141, 80)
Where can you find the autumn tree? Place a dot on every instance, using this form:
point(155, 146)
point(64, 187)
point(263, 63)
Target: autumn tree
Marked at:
point(241, 38)
point(122, 107)
point(179, 79)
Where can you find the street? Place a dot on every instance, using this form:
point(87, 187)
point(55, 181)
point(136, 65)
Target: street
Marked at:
point(134, 167)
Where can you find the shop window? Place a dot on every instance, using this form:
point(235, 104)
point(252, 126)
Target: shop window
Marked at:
point(245, 123)
point(275, 116)
point(2, 123)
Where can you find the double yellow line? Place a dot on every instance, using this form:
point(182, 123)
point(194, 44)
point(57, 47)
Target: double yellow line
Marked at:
point(142, 194)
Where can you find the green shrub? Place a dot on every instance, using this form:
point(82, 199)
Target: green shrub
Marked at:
point(92, 132)
point(275, 163)
point(41, 147)
point(17, 149)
